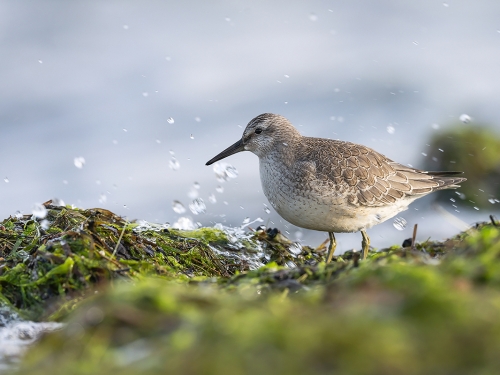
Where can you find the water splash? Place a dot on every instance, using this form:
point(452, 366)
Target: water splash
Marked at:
point(224, 171)
point(178, 207)
point(399, 223)
point(58, 202)
point(465, 118)
point(295, 248)
point(198, 206)
point(173, 164)
point(39, 211)
point(184, 223)
point(79, 162)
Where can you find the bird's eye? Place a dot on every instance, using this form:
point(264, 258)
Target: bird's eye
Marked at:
point(258, 131)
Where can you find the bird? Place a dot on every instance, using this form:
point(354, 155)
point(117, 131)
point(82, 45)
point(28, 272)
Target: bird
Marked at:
point(331, 185)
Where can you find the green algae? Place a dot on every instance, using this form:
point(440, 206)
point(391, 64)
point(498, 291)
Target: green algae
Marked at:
point(143, 298)
point(44, 266)
point(394, 313)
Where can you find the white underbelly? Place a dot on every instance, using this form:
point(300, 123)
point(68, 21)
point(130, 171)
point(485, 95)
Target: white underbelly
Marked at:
point(309, 208)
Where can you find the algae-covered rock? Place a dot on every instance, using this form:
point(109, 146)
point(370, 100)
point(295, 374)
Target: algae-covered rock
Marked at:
point(46, 266)
point(402, 311)
point(143, 298)
point(475, 150)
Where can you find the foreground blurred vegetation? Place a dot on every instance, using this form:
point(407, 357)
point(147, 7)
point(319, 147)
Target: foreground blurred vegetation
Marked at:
point(145, 299)
point(475, 150)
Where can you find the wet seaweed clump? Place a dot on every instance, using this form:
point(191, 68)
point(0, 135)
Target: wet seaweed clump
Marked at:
point(144, 298)
point(46, 266)
point(401, 311)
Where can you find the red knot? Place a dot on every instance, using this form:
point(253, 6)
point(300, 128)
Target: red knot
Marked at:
point(330, 185)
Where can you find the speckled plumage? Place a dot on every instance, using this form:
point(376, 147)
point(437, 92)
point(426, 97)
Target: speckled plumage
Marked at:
point(330, 185)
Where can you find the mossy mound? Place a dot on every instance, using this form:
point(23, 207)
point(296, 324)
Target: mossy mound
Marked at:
point(473, 150)
point(430, 310)
point(46, 266)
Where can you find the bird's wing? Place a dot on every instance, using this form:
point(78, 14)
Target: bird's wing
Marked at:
point(368, 178)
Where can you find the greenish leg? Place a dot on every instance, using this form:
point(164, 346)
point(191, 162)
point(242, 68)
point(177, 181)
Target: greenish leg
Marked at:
point(365, 243)
point(331, 247)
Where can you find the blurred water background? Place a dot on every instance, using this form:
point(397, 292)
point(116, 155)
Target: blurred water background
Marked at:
point(119, 104)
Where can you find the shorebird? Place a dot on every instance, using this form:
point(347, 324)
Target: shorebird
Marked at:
point(330, 185)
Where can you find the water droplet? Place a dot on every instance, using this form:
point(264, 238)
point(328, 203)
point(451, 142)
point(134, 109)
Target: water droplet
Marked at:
point(197, 119)
point(465, 118)
point(476, 208)
point(313, 17)
point(460, 195)
point(114, 141)
point(491, 200)
point(197, 206)
point(178, 207)
point(173, 164)
point(193, 193)
point(79, 162)
point(224, 171)
point(191, 136)
point(340, 119)
point(390, 129)
point(125, 27)
point(6, 180)
point(168, 58)
point(65, 182)
point(145, 94)
point(58, 202)
point(246, 220)
point(40, 61)
point(446, 5)
point(103, 198)
point(266, 209)
point(39, 211)
point(435, 126)
point(196, 185)
point(399, 223)
point(415, 42)
point(453, 200)
point(378, 217)
point(170, 120)
point(45, 224)
point(440, 149)
point(212, 199)
point(295, 248)
point(219, 189)
point(290, 264)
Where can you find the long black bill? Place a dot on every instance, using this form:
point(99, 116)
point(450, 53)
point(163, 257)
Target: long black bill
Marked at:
point(233, 149)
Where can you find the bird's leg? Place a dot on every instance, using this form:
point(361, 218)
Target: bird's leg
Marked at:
point(331, 247)
point(365, 243)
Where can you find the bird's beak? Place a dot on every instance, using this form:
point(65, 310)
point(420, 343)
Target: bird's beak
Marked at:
point(233, 149)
